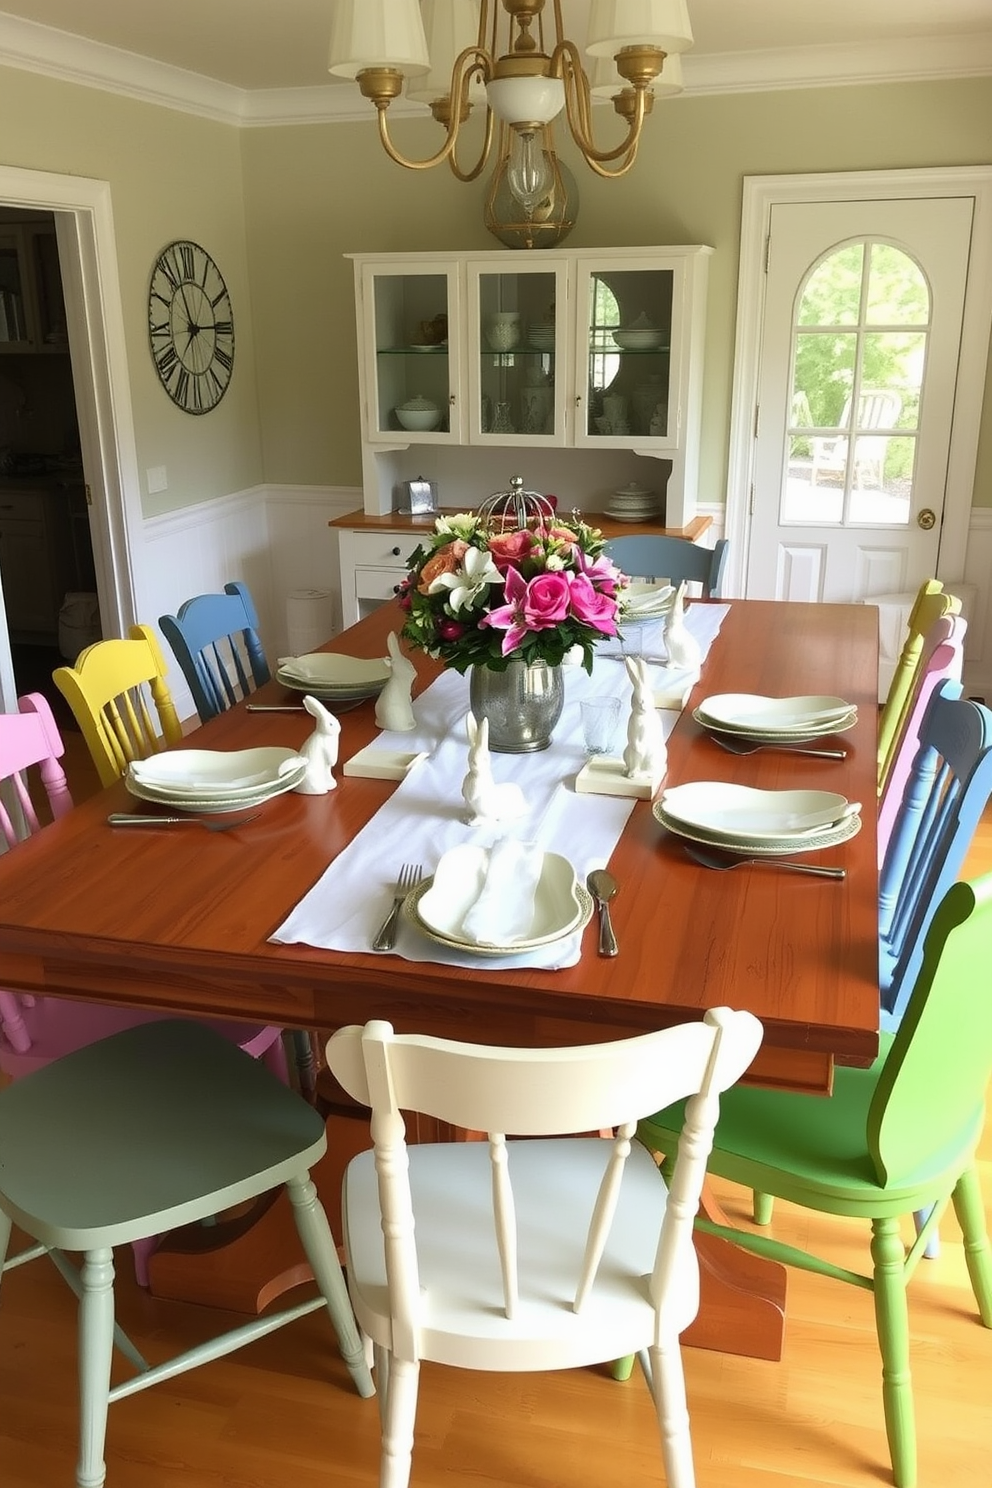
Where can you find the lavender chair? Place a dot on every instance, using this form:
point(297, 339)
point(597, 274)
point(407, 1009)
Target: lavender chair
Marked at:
point(942, 660)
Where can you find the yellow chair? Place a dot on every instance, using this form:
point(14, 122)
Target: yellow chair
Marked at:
point(931, 605)
point(113, 690)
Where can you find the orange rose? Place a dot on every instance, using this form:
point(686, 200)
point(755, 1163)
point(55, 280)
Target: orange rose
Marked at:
point(445, 560)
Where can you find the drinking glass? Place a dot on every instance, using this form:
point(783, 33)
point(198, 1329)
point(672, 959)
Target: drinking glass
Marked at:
point(600, 723)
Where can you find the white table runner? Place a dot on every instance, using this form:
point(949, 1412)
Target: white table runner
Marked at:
point(425, 815)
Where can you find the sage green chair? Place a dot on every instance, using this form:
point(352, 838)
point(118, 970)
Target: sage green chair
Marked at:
point(897, 1138)
point(157, 1126)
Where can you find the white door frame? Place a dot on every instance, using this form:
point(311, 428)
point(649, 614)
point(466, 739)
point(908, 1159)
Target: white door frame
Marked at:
point(761, 193)
point(95, 323)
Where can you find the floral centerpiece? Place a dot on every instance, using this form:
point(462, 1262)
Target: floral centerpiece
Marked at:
point(483, 594)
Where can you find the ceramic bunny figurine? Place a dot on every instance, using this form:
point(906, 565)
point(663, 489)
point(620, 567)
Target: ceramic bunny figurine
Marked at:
point(646, 754)
point(487, 801)
point(320, 751)
point(392, 707)
point(683, 648)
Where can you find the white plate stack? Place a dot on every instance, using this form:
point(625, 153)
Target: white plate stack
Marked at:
point(215, 780)
point(769, 720)
point(551, 903)
point(759, 822)
point(334, 678)
point(632, 504)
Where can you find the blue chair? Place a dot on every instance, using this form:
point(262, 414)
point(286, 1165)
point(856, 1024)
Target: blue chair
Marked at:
point(215, 640)
point(647, 556)
point(949, 786)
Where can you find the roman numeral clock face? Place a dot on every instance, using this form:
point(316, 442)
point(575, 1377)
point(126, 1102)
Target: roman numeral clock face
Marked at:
point(191, 327)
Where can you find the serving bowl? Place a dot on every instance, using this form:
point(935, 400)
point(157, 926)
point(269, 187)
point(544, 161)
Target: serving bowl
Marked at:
point(419, 417)
point(639, 339)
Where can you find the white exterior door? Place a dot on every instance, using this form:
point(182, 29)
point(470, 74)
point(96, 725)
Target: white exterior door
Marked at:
point(856, 385)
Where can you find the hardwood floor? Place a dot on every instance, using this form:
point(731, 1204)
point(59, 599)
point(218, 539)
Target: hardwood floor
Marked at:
point(282, 1414)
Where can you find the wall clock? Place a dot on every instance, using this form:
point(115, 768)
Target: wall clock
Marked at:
point(191, 327)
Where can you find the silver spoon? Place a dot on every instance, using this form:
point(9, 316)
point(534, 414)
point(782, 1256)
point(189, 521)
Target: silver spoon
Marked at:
point(750, 746)
point(132, 819)
point(721, 858)
point(602, 886)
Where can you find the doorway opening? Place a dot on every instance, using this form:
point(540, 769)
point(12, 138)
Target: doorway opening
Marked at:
point(46, 552)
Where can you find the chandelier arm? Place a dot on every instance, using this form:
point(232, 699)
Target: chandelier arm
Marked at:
point(473, 59)
point(567, 64)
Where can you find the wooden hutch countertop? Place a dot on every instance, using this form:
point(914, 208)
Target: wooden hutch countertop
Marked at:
point(396, 521)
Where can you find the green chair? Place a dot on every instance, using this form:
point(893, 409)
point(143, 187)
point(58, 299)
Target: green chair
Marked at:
point(897, 1138)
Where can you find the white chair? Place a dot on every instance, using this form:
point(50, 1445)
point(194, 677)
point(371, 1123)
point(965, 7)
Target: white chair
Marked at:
point(876, 410)
point(160, 1125)
point(539, 1254)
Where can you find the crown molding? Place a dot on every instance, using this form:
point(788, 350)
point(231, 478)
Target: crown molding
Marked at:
point(58, 54)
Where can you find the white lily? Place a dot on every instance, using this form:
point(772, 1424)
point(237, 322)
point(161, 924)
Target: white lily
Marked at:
point(467, 583)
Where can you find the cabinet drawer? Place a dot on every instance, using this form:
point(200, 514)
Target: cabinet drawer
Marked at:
point(378, 549)
point(376, 583)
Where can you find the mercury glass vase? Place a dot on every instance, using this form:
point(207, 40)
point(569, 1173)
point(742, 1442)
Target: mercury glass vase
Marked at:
point(522, 704)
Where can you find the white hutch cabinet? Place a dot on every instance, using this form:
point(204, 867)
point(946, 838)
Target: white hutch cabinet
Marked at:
point(516, 352)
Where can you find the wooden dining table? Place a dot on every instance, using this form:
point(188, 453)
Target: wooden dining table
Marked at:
point(179, 918)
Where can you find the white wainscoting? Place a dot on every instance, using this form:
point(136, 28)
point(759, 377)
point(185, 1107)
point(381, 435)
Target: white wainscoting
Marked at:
point(276, 540)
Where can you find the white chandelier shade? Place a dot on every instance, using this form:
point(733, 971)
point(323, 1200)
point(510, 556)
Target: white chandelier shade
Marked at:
point(375, 34)
point(614, 24)
point(449, 27)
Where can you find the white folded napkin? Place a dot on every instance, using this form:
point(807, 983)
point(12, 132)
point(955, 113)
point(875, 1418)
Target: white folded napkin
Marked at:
point(503, 913)
point(328, 669)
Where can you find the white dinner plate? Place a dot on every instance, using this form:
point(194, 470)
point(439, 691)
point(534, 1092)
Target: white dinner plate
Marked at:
point(458, 881)
point(208, 805)
point(781, 736)
point(411, 911)
point(726, 810)
point(330, 672)
point(748, 711)
point(225, 772)
point(763, 847)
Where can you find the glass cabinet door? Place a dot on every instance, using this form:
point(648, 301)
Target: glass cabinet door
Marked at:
point(626, 321)
point(411, 362)
point(517, 352)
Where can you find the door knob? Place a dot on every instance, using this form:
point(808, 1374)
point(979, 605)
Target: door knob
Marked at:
point(927, 519)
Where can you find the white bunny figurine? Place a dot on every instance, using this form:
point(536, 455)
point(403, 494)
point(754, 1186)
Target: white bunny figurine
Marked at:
point(392, 707)
point(320, 751)
point(487, 801)
point(682, 648)
point(646, 754)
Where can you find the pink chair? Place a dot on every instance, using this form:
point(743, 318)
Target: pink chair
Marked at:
point(35, 1031)
point(942, 659)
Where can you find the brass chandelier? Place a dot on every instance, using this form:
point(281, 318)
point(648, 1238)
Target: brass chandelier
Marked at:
point(453, 54)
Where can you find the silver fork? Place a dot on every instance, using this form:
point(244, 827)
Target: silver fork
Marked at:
point(410, 876)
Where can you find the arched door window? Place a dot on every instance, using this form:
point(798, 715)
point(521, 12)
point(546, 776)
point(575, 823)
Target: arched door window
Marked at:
point(859, 349)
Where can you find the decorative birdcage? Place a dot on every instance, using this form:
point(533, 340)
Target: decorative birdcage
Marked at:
point(507, 511)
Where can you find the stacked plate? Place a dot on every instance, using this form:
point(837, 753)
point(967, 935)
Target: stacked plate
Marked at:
point(438, 907)
point(213, 779)
point(795, 720)
point(632, 504)
point(334, 678)
point(758, 822)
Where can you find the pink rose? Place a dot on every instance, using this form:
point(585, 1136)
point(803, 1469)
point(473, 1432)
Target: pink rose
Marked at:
point(510, 547)
point(449, 630)
point(591, 607)
point(546, 601)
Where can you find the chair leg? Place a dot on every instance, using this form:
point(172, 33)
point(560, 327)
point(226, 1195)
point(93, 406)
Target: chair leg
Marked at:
point(96, 1346)
point(315, 1233)
point(967, 1200)
point(932, 1248)
point(400, 1417)
point(892, 1326)
point(761, 1207)
point(668, 1388)
point(5, 1229)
